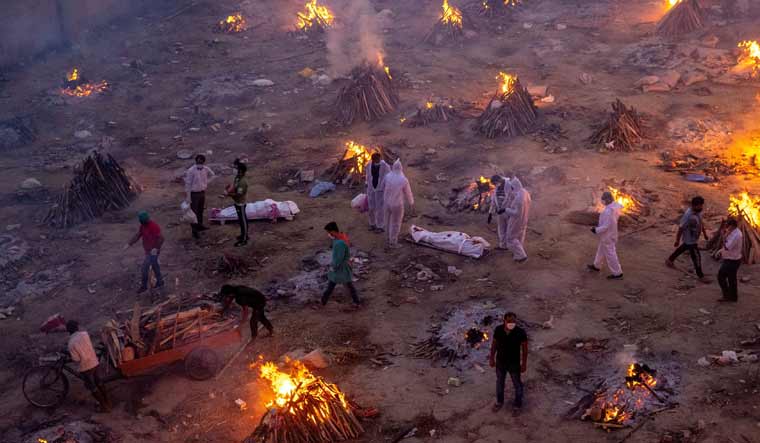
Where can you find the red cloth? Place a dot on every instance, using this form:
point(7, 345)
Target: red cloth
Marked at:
point(343, 236)
point(151, 235)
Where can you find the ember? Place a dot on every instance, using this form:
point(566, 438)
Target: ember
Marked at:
point(370, 94)
point(430, 113)
point(232, 24)
point(497, 7)
point(448, 26)
point(750, 56)
point(622, 131)
point(305, 408)
point(314, 17)
point(684, 16)
point(475, 337)
point(510, 112)
point(475, 196)
point(77, 86)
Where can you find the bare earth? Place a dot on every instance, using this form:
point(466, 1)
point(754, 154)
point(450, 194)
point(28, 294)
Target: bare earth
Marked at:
point(671, 318)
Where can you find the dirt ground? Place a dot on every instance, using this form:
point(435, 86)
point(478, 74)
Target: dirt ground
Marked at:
point(160, 67)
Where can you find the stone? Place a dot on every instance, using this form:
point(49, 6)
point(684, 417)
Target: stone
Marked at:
point(30, 184)
point(454, 271)
point(647, 80)
point(585, 78)
point(263, 83)
point(656, 87)
point(527, 25)
point(693, 77)
point(306, 176)
point(322, 79)
point(537, 90)
point(703, 362)
point(670, 78)
point(316, 359)
point(560, 27)
point(454, 381)
point(83, 134)
point(184, 154)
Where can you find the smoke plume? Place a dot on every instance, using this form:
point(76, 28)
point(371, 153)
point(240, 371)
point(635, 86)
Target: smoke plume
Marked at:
point(355, 38)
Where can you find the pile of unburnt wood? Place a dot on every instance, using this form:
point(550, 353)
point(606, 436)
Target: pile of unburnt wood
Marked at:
point(349, 169)
point(316, 414)
point(508, 113)
point(622, 131)
point(429, 113)
point(177, 321)
point(369, 95)
point(685, 17)
point(99, 185)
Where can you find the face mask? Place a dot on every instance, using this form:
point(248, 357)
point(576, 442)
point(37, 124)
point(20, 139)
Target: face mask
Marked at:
point(511, 326)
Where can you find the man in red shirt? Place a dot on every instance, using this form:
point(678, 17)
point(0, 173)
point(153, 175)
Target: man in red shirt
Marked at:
point(152, 241)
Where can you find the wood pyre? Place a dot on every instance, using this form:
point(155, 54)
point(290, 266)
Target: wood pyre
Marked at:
point(369, 95)
point(475, 196)
point(746, 209)
point(685, 17)
point(349, 168)
point(510, 112)
point(622, 131)
point(431, 112)
point(449, 27)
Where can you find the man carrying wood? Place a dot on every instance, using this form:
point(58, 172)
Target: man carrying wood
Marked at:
point(81, 351)
point(246, 298)
point(689, 229)
point(152, 240)
point(731, 259)
point(197, 178)
point(509, 354)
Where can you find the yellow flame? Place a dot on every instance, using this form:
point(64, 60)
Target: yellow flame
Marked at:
point(41, 440)
point(671, 3)
point(314, 14)
point(750, 54)
point(362, 154)
point(233, 23)
point(507, 83)
point(626, 201)
point(429, 105)
point(484, 180)
point(647, 378)
point(86, 89)
point(73, 75)
point(747, 207)
point(451, 15)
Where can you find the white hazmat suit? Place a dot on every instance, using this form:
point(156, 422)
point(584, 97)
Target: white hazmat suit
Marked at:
point(608, 237)
point(396, 192)
point(499, 204)
point(375, 195)
point(517, 226)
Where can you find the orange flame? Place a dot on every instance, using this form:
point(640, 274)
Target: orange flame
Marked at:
point(314, 14)
point(233, 23)
point(750, 55)
point(362, 154)
point(626, 201)
point(747, 207)
point(451, 15)
point(73, 75)
point(669, 4)
point(83, 89)
point(646, 377)
point(507, 83)
point(429, 105)
point(381, 63)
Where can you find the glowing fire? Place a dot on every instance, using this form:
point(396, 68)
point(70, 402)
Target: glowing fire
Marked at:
point(81, 89)
point(671, 3)
point(314, 14)
point(484, 180)
point(362, 154)
point(747, 207)
point(506, 3)
point(750, 55)
point(507, 83)
point(451, 15)
point(233, 23)
point(626, 201)
point(637, 377)
point(381, 63)
point(73, 75)
point(429, 105)
point(624, 402)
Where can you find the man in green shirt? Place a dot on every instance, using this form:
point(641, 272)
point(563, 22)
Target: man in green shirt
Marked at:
point(238, 192)
point(340, 268)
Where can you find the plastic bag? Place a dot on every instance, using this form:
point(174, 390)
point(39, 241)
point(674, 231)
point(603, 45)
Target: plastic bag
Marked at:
point(188, 216)
point(360, 203)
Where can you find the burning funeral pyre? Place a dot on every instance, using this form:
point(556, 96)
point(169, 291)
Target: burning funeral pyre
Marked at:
point(448, 27)
point(349, 169)
point(746, 209)
point(636, 203)
point(99, 185)
point(475, 196)
point(750, 57)
point(684, 17)
point(75, 85)
point(510, 112)
point(314, 17)
point(232, 24)
point(492, 8)
point(305, 408)
point(622, 131)
point(431, 112)
point(369, 95)
point(177, 321)
point(618, 408)
point(464, 334)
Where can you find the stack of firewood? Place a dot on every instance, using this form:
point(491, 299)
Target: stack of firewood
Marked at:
point(370, 95)
point(508, 113)
point(474, 196)
point(177, 321)
point(622, 131)
point(430, 113)
point(685, 17)
point(317, 413)
point(99, 185)
point(449, 26)
point(350, 169)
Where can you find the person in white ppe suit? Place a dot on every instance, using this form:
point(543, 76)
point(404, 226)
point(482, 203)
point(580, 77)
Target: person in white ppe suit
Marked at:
point(396, 193)
point(608, 237)
point(517, 211)
point(376, 172)
point(500, 200)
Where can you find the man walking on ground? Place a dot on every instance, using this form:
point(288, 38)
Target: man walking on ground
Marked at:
point(509, 354)
point(689, 229)
point(246, 298)
point(396, 193)
point(731, 256)
point(376, 173)
point(81, 351)
point(238, 192)
point(607, 230)
point(499, 204)
point(340, 267)
point(152, 240)
point(518, 212)
point(196, 182)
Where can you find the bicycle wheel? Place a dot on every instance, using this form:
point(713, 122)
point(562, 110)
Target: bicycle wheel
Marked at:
point(202, 363)
point(45, 386)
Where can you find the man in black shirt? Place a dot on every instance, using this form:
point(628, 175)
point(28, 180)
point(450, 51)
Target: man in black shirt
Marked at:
point(509, 353)
point(246, 298)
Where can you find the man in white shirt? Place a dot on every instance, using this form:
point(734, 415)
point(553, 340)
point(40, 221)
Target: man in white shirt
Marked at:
point(731, 256)
point(81, 351)
point(196, 183)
